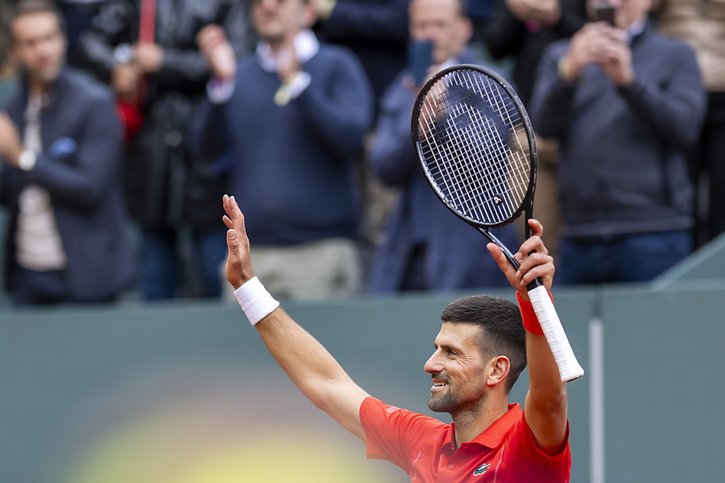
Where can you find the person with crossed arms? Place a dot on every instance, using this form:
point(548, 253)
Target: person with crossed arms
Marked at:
point(481, 349)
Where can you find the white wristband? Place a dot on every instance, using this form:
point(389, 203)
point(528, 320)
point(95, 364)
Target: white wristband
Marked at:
point(255, 301)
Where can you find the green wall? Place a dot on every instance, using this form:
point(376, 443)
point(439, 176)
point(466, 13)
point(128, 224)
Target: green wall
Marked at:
point(118, 392)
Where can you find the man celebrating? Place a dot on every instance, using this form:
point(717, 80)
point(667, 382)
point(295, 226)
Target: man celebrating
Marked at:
point(480, 351)
point(60, 140)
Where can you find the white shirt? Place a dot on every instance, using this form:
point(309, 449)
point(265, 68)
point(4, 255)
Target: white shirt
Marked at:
point(37, 240)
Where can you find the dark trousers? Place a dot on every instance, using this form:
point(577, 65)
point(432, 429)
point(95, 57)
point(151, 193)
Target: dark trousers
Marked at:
point(625, 258)
point(39, 288)
point(173, 264)
point(709, 172)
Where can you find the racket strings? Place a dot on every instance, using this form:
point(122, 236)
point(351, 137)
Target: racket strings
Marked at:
point(475, 156)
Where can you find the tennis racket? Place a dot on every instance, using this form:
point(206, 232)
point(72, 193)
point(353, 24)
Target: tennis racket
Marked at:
point(476, 145)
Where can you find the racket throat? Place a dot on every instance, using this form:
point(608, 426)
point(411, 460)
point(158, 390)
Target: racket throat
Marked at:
point(509, 256)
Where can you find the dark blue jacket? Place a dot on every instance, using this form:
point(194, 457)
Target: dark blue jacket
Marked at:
point(79, 168)
point(623, 152)
point(456, 255)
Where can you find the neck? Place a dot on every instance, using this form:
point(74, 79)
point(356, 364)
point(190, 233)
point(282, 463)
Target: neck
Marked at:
point(279, 44)
point(471, 422)
point(37, 88)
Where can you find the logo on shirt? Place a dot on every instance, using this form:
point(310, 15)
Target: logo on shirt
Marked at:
point(481, 469)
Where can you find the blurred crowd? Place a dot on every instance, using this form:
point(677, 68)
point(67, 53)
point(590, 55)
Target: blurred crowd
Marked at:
point(123, 122)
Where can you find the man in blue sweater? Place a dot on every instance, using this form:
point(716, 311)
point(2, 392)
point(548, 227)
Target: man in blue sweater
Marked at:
point(292, 120)
point(626, 105)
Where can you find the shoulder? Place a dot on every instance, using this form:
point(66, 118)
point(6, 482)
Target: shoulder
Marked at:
point(659, 43)
point(336, 54)
point(374, 411)
point(82, 86)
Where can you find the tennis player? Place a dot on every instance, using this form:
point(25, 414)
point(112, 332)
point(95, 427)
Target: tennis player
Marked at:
point(481, 349)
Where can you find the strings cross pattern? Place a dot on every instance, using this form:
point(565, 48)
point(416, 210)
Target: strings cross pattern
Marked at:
point(473, 144)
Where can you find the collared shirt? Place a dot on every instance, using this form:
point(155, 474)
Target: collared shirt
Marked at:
point(424, 447)
point(306, 46)
point(38, 243)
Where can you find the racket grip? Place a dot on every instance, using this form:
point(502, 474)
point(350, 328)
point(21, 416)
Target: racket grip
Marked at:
point(569, 368)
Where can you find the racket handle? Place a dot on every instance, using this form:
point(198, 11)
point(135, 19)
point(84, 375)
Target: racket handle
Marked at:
point(569, 368)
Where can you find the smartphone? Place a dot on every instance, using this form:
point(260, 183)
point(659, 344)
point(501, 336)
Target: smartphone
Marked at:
point(605, 13)
point(420, 58)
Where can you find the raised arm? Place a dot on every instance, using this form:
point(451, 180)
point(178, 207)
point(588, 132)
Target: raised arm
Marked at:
point(307, 363)
point(545, 407)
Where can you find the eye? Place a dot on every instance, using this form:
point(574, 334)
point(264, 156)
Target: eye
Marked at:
point(451, 352)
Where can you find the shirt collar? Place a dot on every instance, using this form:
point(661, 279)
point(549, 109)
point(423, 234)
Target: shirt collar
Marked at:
point(306, 46)
point(635, 30)
point(492, 436)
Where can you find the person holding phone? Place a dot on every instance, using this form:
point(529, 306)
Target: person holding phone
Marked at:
point(424, 246)
point(626, 105)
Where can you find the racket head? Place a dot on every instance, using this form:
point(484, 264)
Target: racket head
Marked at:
point(476, 145)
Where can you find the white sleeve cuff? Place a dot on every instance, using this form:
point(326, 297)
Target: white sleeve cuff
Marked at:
point(220, 91)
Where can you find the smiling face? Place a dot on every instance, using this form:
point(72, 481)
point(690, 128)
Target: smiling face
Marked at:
point(457, 369)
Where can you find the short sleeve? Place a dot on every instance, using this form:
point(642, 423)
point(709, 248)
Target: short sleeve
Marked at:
point(546, 468)
point(393, 433)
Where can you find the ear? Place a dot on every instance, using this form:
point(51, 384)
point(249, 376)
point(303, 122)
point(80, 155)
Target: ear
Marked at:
point(497, 370)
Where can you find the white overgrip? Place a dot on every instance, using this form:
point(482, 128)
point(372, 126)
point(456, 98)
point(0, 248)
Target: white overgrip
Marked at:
point(569, 368)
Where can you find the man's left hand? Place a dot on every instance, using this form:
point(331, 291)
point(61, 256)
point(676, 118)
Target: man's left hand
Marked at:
point(10, 145)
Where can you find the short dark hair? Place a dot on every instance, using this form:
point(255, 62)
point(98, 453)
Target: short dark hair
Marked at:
point(29, 7)
point(502, 332)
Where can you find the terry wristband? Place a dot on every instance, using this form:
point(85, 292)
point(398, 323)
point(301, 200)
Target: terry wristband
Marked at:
point(531, 322)
point(255, 301)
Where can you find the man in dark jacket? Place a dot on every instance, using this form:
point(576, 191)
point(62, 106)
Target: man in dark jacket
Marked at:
point(425, 246)
point(626, 105)
point(60, 140)
point(147, 50)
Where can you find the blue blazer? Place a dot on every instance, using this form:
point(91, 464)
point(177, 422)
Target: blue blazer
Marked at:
point(80, 170)
point(456, 255)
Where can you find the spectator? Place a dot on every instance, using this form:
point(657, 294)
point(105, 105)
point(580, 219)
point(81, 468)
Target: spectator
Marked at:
point(522, 29)
point(293, 118)
point(375, 30)
point(702, 25)
point(626, 105)
point(147, 50)
point(60, 139)
point(77, 15)
point(425, 246)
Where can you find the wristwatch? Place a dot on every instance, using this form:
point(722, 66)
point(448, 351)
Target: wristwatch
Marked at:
point(27, 159)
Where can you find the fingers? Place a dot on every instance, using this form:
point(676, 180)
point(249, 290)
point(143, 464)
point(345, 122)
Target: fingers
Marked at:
point(537, 229)
point(234, 215)
point(536, 265)
point(504, 265)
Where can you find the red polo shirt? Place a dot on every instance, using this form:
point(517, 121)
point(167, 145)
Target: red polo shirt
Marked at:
point(423, 447)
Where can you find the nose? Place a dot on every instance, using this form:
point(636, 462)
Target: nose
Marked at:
point(432, 365)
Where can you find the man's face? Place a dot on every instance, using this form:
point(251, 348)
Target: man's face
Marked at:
point(456, 369)
point(38, 46)
point(442, 22)
point(275, 19)
point(627, 12)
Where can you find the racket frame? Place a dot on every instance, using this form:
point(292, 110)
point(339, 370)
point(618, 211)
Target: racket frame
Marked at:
point(569, 368)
